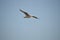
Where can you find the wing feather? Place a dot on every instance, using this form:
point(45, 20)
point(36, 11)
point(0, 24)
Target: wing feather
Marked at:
point(24, 12)
point(34, 17)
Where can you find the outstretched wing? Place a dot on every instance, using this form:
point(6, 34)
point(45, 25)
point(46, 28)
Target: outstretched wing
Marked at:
point(24, 12)
point(35, 17)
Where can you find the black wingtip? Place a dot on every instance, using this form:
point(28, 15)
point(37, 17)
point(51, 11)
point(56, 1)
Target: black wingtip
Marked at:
point(20, 9)
point(35, 17)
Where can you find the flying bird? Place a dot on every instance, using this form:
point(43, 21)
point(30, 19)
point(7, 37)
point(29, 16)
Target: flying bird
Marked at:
point(27, 15)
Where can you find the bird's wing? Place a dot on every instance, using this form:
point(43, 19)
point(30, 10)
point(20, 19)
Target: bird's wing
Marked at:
point(35, 17)
point(24, 12)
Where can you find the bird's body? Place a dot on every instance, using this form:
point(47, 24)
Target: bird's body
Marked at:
point(27, 15)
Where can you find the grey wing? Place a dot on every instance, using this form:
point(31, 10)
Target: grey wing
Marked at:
point(34, 17)
point(24, 12)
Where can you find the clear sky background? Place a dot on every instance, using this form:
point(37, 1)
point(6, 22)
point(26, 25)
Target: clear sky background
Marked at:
point(15, 27)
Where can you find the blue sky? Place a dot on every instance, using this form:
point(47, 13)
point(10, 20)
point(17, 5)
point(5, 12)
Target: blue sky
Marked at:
point(15, 27)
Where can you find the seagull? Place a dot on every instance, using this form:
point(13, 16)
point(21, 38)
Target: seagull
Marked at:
point(27, 15)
